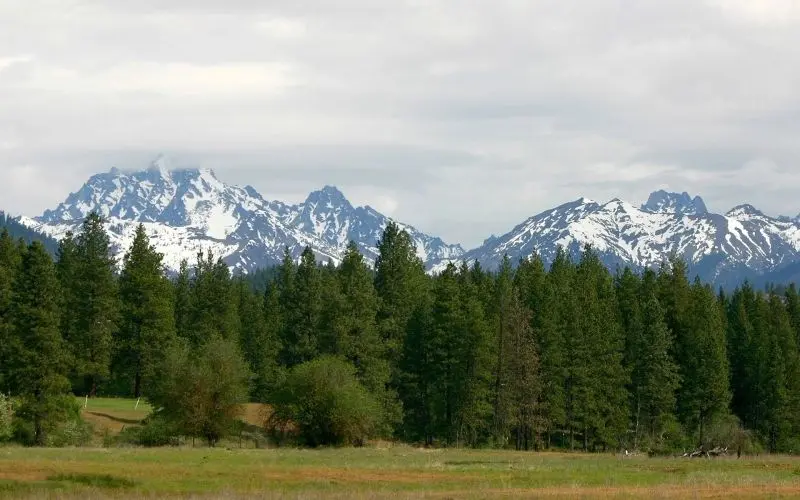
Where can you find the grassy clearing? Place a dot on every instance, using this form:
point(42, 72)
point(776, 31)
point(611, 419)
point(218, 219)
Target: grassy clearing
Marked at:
point(110, 415)
point(398, 472)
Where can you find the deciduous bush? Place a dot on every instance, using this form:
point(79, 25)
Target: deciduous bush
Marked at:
point(327, 404)
point(200, 393)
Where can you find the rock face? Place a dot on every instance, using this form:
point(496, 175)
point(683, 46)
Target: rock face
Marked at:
point(186, 211)
point(723, 249)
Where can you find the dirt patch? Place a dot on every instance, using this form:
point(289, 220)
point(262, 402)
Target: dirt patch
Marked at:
point(23, 475)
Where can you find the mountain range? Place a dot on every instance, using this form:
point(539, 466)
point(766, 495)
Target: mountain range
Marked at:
point(186, 211)
point(189, 210)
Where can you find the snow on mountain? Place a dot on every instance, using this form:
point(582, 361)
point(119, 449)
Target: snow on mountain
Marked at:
point(741, 244)
point(186, 211)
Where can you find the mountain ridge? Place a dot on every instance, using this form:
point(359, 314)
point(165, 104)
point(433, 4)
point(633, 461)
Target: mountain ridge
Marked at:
point(187, 210)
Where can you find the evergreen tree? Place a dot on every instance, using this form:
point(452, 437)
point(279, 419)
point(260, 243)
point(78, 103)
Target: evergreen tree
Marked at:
point(183, 300)
point(704, 393)
point(147, 320)
point(259, 342)
point(655, 376)
point(303, 308)
point(9, 269)
point(212, 303)
point(504, 325)
point(596, 378)
point(354, 326)
point(525, 380)
point(400, 282)
point(39, 359)
point(94, 301)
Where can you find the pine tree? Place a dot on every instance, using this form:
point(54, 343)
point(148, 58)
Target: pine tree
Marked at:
point(355, 329)
point(9, 269)
point(655, 376)
point(303, 307)
point(648, 356)
point(212, 310)
point(259, 341)
point(400, 282)
point(704, 393)
point(504, 324)
point(40, 362)
point(597, 378)
point(472, 341)
point(525, 380)
point(183, 300)
point(147, 320)
point(93, 296)
point(554, 322)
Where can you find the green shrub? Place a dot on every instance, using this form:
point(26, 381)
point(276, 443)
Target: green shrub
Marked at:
point(6, 418)
point(727, 432)
point(327, 404)
point(201, 393)
point(156, 431)
point(62, 425)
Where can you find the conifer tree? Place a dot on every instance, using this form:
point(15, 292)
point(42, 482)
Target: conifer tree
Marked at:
point(93, 297)
point(504, 325)
point(259, 342)
point(147, 320)
point(400, 282)
point(355, 331)
point(525, 380)
point(472, 341)
point(39, 358)
point(704, 393)
point(303, 307)
point(213, 303)
point(655, 378)
point(182, 299)
point(9, 269)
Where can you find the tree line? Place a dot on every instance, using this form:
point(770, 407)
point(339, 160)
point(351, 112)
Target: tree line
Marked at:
point(528, 356)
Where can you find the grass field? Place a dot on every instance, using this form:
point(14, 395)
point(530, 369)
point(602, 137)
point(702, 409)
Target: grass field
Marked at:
point(379, 472)
point(399, 472)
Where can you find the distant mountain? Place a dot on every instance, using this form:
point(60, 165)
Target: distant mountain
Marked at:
point(23, 232)
point(186, 211)
point(190, 210)
point(723, 249)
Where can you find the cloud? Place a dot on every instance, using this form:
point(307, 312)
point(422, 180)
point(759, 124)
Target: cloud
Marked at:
point(461, 117)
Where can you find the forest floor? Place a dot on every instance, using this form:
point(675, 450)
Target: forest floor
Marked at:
point(381, 471)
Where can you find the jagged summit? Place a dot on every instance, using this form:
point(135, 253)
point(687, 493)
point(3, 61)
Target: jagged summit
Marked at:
point(675, 203)
point(330, 195)
point(189, 209)
point(744, 210)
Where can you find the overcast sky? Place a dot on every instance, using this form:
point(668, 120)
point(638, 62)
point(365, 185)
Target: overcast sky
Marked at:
point(461, 117)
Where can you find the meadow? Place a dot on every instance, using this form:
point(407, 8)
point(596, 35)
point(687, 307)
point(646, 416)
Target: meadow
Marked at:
point(378, 471)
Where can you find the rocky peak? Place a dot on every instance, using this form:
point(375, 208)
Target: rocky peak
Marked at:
point(676, 203)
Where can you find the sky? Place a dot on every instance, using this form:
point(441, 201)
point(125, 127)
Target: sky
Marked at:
point(460, 117)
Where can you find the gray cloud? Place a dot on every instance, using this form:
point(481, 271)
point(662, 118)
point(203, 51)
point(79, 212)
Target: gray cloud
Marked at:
point(460, 117)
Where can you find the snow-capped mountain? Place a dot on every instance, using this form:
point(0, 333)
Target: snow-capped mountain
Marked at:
point(186, 211)
point(724, 249)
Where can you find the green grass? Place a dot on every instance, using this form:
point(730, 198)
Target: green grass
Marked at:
point(399, 472)
point(115, 405)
